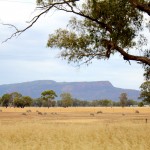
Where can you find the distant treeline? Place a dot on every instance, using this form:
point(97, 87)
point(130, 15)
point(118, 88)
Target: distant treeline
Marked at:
point(47, 99)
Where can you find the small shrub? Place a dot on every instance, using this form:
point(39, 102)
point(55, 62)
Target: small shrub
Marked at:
point(99, 112)
point(123, 114)
point(39, 113)
point(28, 111)
point(91, 114)
point(45, 113)
point(24, 114)
point(53, 113)
point(137, 112)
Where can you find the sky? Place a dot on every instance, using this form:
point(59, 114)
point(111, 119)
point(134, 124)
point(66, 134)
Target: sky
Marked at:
point(26, 57)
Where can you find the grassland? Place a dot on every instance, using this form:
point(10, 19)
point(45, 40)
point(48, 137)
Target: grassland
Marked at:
point(91, 128)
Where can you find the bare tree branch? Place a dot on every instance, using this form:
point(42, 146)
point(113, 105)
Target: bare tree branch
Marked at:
point(46, 9)
point(32, 22)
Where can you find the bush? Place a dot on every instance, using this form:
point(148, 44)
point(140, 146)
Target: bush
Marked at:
point(24, 114)
point(45, 113)
point(99, 112)
point(28, 111)
point(39, 113)
point(137, 112)
point(91, 114)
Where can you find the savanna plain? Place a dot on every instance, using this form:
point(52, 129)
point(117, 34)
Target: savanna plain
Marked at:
point(75, 128)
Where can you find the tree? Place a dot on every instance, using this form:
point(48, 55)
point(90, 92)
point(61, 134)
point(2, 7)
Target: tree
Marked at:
point(22, 101)
point(18, 102)
point(116, 103)
point(66, 99)
point(13, 95)
point(131, 102)
point(145, 91)
point(106, 102)
point(101, 32)
point(48, 96)
point(5, 100)
point(27, 100)
point(38, 102)
point(140, 104)
point(0, 100)
point(123, 99)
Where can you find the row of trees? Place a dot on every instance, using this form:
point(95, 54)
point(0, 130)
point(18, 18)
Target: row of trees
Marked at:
point(15, 99)
point(47, 99)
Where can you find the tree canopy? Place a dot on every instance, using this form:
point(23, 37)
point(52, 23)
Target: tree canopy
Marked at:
point(123, 99)
point(66, 99)
point(101, 29)
point(48, 96)
point(145, 91)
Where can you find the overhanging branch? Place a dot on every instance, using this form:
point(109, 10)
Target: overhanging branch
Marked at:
point(144, 7)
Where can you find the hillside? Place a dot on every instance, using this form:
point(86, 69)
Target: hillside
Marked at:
point(81, 90)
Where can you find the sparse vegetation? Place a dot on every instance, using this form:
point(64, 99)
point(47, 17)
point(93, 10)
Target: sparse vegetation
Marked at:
point(137, 112)
point(64, 131)
point(99, 112)
point(28, 111)
point(17, 100)
point(123, 114)
point(45, 113)
point(92, 114)
point(40, 113)
point(24, 114)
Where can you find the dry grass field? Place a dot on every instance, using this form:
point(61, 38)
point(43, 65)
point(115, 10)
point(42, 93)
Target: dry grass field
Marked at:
point(76, 128)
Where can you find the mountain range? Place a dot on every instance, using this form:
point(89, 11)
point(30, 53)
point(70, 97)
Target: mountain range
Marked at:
point(95, 90)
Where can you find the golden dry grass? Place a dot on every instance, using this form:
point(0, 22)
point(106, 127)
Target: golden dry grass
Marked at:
point(75, 129)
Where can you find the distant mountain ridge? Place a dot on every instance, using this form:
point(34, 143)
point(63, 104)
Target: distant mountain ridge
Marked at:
point(80, 90)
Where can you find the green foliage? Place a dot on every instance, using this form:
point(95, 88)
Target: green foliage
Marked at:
point(84, 103)
point(48, 96)
point(0, 100)
point(27, 100)
point(18, 102)
point(131, 102)
point(38, 102)
point(104, 102)
point(5, 100)
point(13, 95)
point(101, 29)
point(66, 99)
point(87, 38)
point(141, 104)
point(22, 101)
point(145, 91)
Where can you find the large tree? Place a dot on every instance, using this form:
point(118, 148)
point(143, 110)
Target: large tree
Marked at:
point(5, 100)
point(22, 101)
point(48, 96)
point(105, 27)
point(13, 95)
point(123, 99)
point(66, 99)
point(145, 91)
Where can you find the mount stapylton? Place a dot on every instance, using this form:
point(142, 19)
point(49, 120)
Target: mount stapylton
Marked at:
point(95, 90)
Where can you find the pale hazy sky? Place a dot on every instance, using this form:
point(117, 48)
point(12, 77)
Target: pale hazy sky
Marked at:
point(26, 58)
